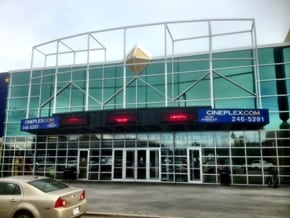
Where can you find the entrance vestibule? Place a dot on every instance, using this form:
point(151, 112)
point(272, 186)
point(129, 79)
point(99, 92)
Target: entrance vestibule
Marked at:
point(136, 164)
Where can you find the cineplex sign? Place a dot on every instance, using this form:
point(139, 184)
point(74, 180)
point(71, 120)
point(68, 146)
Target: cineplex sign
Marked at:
point(233, 116)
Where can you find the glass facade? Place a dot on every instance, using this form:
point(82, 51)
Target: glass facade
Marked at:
point(196, 157)
point(238, 78)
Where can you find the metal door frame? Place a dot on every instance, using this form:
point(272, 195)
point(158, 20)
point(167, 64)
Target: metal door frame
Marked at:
point(147, 150)
point(189, 166)
point(78, 164)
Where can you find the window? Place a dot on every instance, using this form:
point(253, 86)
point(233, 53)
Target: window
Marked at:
point(48, 185)
point(9, 189)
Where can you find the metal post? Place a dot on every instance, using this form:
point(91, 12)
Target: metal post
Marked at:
point(211, 66)
point(55, 79)
point(124, 71)
point(29, 87)
point(87, 76)
point(256, 67)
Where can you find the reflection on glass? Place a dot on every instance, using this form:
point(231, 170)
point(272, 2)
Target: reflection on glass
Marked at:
point(118, 164)
point(222, 139)
point(207, 139)
point(181, 140)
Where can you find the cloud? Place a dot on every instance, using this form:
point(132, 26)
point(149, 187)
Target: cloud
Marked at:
point(24, 24)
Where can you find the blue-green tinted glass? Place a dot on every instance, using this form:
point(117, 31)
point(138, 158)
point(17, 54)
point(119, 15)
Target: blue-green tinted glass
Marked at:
point(48, 76)
point(16, 115)
point(268, 88)
point(267, 72)
point(265, 56)
point(270, 103)
point(17, 103)
point(20, 78)
point(35, 90)
point(19, 91)
point(13, 129)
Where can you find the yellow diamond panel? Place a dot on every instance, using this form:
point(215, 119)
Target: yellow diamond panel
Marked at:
point(137, 60)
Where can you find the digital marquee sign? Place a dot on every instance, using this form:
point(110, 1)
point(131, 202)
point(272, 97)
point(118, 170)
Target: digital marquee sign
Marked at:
point(122, 118)
point(178, 117)
point(40, 123)
point(74, 121)
point(250, 116)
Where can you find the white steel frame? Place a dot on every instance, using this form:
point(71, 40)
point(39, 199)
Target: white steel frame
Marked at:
point(93, 45)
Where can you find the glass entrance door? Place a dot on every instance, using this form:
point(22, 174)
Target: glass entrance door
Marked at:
point(194, 162)
point(136, 164)
point(130, 164)
point(83, 158)
point(154, 164)
point(142, 159)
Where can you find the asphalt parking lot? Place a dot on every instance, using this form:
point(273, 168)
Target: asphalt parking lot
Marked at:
point(187, 201)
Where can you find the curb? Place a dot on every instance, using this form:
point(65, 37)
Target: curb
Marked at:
point(123, 215)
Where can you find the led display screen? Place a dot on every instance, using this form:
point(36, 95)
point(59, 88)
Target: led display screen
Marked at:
point(178, 116)
point(74, 121)
point(122, 118)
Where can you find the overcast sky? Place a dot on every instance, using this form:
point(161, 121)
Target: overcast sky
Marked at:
point(26, 23)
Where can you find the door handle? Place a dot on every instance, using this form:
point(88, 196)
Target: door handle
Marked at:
point(13, 200)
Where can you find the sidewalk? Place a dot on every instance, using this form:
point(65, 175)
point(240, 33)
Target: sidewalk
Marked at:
point(188, 201)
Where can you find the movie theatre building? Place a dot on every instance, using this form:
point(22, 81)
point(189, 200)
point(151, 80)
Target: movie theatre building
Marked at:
point(176, 102)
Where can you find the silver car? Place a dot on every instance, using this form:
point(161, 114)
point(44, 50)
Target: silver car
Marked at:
point(39, 197)
point(258, 164)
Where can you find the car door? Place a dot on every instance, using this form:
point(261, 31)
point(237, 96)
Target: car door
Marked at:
point(10, 196)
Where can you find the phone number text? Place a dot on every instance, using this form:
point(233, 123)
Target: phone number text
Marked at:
point(248, 119)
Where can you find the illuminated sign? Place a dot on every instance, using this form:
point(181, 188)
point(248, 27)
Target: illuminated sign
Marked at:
point(40, 123)
point(178, 116)
point(74, 121)
point(124, 118)
point(254, 116)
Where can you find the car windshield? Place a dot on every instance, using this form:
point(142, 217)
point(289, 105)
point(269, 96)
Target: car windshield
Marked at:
point(48, 185)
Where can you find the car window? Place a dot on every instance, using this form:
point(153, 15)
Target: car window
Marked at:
point(48, 185)
point(9, 189)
